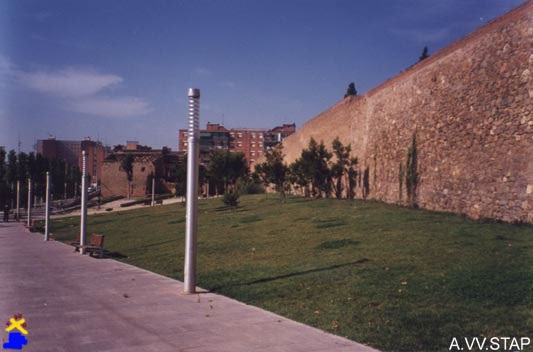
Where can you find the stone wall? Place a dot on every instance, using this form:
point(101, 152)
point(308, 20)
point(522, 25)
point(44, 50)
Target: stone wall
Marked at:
point(114, 181)
point(470, 106)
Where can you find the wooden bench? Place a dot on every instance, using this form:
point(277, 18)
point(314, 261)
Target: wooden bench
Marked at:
point(96, 245)
point(32, 224)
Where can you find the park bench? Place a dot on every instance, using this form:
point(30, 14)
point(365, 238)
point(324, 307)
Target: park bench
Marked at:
point(96, 245)
point(32, 224)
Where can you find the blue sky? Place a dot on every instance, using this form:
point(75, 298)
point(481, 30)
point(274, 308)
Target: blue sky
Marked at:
point(119, 70)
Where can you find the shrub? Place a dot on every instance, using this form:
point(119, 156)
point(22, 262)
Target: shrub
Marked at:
point(251, 187)
point(231, 198)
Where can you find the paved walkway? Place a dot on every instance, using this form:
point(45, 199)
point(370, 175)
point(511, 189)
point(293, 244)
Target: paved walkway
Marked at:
point(77, 303)
point(115, 205)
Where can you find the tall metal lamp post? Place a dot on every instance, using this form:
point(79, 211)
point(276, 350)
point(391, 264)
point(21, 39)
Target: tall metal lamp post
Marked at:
point(18, 201)
point(83, 220)
point(191, 224)
point(47, 210)
point(29, 203)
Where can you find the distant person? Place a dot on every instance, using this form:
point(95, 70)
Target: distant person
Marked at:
point(6, 212)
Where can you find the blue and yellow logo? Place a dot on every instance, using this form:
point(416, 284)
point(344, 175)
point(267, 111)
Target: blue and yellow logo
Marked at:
point(16, 327)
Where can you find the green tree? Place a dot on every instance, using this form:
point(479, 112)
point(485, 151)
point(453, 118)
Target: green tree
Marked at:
point(424, 55)
point(237, 168)
point(263, 176)
point(58, 175)
point(275, 170)
point(31, 166)
point(203, 177)
point(22, 175)
point(11, 173)
point(316, 159)
point(225, 169)
point(216, 170)
point(4, 189)
point(298, 176)
point(41, 167)
point(76, 179)
point(351, 91)
point(126, 165)
point(179, 174)
point(3, 168)
point(366, 183)
point(351, 174)
point(340, 167)
point(412, 177)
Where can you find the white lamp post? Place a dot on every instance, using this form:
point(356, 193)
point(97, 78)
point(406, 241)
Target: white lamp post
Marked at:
point(83, 220)
point(47, 210)
point(191, 224)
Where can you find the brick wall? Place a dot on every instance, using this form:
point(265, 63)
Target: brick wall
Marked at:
point(470, 106)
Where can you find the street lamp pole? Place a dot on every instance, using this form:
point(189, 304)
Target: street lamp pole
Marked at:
point(192, 191)
point(153, 190)
point(83, 220)
point(47, 211)
point(29, 203)
point(18, 201)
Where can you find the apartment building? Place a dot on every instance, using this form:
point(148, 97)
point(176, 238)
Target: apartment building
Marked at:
point(252, 142)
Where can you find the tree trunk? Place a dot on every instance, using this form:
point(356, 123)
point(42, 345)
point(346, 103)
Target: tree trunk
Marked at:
point(129, 189)
point(338, 190)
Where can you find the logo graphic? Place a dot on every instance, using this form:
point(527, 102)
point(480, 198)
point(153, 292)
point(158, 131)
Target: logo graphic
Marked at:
point(16, 338)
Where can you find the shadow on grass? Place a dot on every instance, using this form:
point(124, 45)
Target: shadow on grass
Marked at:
point(158, 244)
point(114, 255)
point(337, 244)
point(249, 219)
point(101, 222)
point(238, 208)
point(285, 276)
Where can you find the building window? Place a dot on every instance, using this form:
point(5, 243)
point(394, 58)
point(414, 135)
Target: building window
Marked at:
point(240, 135)
point(253, 153)
point(240, 144)
point(252, 161)
point(260, 136)
point(253, 135)
point(142, 169)
point(259, 153)
point(185, 143)
point(253, 145)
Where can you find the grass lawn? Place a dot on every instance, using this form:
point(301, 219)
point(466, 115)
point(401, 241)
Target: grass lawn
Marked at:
point(390, 277)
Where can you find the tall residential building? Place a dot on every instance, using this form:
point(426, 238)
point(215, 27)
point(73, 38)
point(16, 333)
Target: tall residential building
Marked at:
point(52, 148)
point(71, 152)
point(96, 153)
point(252, 142)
